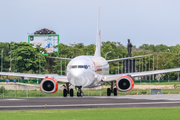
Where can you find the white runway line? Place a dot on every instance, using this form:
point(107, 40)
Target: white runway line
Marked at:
point(11, 99)
point(82, 105)
point(14, 99)
point(149, 97)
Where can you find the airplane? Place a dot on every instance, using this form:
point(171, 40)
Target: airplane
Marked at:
point(89, 72)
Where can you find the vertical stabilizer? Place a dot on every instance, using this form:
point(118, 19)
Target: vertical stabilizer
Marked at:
point(98, 38)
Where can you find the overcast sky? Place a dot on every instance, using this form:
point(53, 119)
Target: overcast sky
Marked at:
point(142, 21)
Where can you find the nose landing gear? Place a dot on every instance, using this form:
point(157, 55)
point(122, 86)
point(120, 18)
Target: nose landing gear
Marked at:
point(79, 93)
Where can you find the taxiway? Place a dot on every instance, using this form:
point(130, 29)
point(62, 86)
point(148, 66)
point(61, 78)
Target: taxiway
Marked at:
point(89, 102)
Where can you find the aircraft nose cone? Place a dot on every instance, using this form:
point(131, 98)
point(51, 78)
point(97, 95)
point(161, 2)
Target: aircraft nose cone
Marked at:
point(77, 73)
point(77, 78)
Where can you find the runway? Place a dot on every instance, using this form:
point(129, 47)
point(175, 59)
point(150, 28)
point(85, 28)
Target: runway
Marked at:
point(89, 102)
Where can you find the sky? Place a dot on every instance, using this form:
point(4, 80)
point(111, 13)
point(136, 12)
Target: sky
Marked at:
point(142, 21)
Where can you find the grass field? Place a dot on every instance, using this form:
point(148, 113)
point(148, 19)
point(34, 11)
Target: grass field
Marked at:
point(98, 92)
point(161, 113)
point(93, 92)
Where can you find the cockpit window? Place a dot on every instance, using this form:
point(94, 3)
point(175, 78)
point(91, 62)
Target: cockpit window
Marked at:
point(74, 66)
point(80, 66)
point(85, 66)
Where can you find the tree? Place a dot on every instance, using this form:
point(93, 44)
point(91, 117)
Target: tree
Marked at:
point(26, 57)
point(6, 59)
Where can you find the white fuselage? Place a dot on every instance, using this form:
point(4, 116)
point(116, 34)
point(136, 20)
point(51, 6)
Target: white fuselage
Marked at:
point(87, 71)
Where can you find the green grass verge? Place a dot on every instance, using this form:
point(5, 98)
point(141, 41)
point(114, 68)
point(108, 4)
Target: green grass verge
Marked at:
point(98, 92)
point(159, 113)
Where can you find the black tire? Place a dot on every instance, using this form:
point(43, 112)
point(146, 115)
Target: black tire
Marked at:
point(65, 93)
point(115, 91)
point(81, 94)
point(108, 92)
point(78, 94)
point(71, 93)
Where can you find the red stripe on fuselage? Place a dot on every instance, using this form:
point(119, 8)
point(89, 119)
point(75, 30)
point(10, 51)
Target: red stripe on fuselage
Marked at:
point(97, 67)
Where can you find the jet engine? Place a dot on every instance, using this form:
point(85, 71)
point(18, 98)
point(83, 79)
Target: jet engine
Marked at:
point(48, 85)
point(124, 83)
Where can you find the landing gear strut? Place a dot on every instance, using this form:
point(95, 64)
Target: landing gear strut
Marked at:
point(111, 90)
point(79, 93)
point(67, 91)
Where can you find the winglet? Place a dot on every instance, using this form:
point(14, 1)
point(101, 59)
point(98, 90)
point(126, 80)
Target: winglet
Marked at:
point(98, 39)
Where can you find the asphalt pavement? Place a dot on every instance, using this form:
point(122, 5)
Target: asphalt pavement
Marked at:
point(89, 102)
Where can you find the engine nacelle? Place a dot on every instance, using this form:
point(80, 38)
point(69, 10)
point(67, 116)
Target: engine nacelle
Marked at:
point(49, 85)
point(124, 83)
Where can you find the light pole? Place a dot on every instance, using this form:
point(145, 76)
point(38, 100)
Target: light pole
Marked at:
point(157, 61)
point(142, 64)
point(178, 65)
point(39, 64)
point(118, 65)
point(149, 69)
point(153, 66)
point(107, 53)
point(61, 67)
point(1, 62)
point(145, 67)
point(40, 52)
point(10, 57)
point(122, 66)
point(65, 67)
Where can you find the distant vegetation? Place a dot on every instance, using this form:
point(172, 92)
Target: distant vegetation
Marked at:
point(26, 59)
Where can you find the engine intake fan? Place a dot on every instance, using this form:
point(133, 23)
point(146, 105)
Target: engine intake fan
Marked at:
point(49, 85)
point(124, 83)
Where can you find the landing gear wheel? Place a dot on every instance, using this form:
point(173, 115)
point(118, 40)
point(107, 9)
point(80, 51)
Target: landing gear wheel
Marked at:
point(78, 94)
point(108, 92)
point(71, 93)
point(81, 94)
point(115, 91)
point(65, 93)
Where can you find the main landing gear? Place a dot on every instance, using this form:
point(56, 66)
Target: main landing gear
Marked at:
point(79, 93)
point(67, 91)
point(111, 90)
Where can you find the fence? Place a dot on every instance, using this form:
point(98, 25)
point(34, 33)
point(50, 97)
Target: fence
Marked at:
point(88, 92)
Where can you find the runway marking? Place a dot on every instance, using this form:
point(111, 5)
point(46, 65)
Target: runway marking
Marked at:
point(81, 105)
point(13, 99)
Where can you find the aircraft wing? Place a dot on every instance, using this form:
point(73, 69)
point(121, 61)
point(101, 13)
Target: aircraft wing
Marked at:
point(127, 58)
point(107, 78)
point(61, 58)
point(42, 76)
